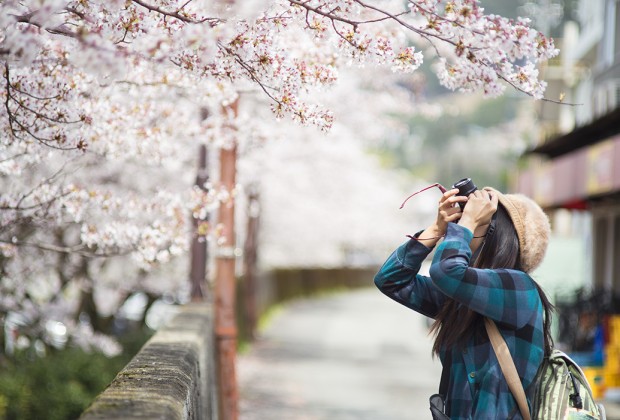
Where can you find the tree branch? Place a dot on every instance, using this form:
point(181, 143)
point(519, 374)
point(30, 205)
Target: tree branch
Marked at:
point(249, 70)
point(530, 94)
point(176, 14)
point(454, 22)
point(326, 14)
point(66, 250)
point(59, 30)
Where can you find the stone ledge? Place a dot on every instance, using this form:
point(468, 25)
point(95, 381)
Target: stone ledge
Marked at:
point(172, 377)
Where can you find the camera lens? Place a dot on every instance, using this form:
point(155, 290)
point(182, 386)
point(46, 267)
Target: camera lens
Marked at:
point(465, 186)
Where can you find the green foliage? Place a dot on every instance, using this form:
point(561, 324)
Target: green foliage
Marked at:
point(448, 148)
point(488, 113)
point(62, 384)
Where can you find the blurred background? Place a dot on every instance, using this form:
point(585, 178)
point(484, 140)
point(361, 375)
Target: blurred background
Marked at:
point(317, 340)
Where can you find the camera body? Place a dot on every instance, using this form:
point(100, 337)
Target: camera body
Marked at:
point(465, 186)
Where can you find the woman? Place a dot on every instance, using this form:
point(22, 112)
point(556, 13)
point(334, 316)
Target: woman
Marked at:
point(460, 293)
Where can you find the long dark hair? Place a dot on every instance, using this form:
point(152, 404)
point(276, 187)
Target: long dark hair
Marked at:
point(454, 326)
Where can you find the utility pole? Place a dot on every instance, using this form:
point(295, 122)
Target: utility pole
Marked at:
point(225, 323)
point(198, 271)
point(250, 258)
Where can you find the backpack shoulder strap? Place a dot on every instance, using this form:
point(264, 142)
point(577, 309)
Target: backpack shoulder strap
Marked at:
point(445, 374)
point(508, 367)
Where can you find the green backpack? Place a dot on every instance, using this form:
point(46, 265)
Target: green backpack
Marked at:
point(561, 386)
point(562, 390)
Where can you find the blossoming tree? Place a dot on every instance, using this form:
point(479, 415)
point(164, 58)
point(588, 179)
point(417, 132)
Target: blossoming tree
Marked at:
point(101, 107)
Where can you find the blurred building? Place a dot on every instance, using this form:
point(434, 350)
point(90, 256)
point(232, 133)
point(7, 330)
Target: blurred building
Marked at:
point(573, 172)
point(575, 162)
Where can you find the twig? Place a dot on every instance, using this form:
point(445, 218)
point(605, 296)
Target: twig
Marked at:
point(43, 204)
point(59, 30)
point(250, 72)
point(175, 15)
point(35, 97)
point(319, 12)
point(454, 22)
point(182, 7)
point(13, 119)
point(38, 114)
point(530, 94)
point(402, 23)
point(76, 12)
point(13, 157)
point(44, 181)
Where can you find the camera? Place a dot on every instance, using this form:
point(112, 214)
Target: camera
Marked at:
point(465, 186)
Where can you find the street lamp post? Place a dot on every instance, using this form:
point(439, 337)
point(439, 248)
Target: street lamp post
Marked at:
point(225, 323)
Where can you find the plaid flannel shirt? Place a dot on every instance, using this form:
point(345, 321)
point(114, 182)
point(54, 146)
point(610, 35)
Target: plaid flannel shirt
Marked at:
point(477, 388)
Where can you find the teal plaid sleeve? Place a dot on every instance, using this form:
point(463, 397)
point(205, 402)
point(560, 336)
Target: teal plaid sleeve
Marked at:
point(399, 280)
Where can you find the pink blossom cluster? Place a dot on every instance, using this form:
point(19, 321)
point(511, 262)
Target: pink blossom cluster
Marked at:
point(483, 48)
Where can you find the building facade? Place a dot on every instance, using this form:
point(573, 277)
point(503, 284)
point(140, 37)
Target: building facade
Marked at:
point(576, 163)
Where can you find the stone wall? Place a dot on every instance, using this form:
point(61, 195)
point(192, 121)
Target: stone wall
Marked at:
point(172, 377)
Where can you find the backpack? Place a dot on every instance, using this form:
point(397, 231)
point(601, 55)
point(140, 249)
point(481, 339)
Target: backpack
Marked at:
point(562, 385)
point(562, 390)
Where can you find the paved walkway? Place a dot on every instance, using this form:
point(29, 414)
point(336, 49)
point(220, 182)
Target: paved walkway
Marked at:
point(350, 356)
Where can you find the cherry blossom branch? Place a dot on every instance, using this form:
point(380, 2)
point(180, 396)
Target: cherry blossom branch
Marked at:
point(275, 18)
point(43, 141)
point(13, 119)
point(14, 157)
point(176, 14)
point(467, 51)
point(8, 99)
point(405, 24)
point(43, 182)
point(166, 84)
point(326, 14)
point(183, 6)
point(59, 30)
point(38, 114)
point(346, 39)
point(76, 12)
point(250, 71)
point(33, 96)
point(355, 24)
point(438, 16)
point(530, 94)
point(123, 38)
point(77, 250)
point(42, 204)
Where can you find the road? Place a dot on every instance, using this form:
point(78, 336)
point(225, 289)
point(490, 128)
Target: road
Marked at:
point(355, 355)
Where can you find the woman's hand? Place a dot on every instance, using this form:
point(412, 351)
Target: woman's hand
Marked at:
point(448, 210)
point(481, 205)
point(446, 213)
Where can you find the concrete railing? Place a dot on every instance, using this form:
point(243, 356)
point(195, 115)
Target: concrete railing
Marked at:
point(172, 377)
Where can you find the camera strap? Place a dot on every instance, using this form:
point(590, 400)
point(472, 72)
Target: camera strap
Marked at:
point(490, 230)
point(438, 185)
